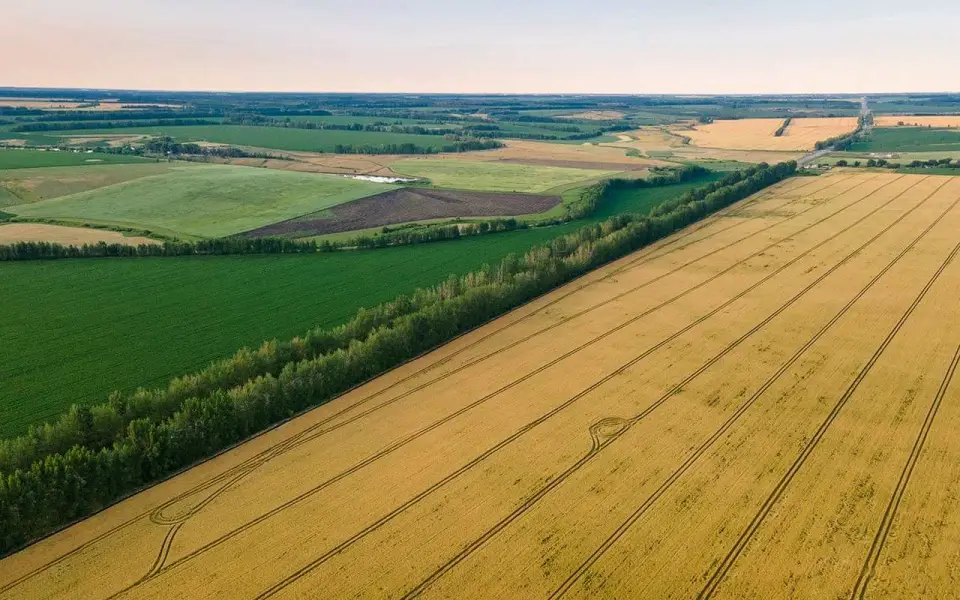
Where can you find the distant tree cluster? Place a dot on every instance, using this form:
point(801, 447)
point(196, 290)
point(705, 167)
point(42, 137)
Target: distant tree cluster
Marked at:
point(845, 141)
point(168, 146)
point(783, 128)
point(455, 144)
point(71, 125)
point(93, 455)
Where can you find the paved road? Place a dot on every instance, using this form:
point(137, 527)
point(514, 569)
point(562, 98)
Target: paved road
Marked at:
point(809, 158)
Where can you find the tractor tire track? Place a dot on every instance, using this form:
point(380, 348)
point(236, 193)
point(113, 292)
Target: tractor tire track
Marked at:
point(868, 570)
point(714, 582)
point(527, 376)
point(726, 426)
point(290, 442)
point(601, 444)
point(556, 481)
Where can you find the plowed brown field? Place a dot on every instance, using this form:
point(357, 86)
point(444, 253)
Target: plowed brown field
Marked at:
point(762, 406)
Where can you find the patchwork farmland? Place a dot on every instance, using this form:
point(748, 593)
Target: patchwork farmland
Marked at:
point(760, 134)
point(759, 406)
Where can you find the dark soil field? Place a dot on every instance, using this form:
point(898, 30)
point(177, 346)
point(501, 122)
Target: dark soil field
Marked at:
point(405, 205)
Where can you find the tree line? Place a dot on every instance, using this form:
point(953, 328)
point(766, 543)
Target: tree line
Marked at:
point(783, 127)
point(124, 115)
point(220, 246)
point(844, 141)
point(71, 125)
point(94, 455)
point(168, 146)
point(455, 145)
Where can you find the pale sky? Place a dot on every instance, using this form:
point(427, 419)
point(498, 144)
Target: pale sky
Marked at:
point(506, 46)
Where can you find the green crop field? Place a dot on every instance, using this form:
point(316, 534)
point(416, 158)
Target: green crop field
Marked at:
point(643, 200)
point(26, 159)
point(908, 139)
point(23, 186)
point(122, 323)
point(279, 138)
point(204, 201)
point(139, 322)
point(363, 120)
point(494, 176)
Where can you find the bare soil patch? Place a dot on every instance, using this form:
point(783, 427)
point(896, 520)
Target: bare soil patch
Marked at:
point(405, 205)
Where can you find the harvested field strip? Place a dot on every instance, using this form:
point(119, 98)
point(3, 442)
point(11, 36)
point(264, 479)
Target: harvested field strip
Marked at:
point(405, 205)
point(463, 484)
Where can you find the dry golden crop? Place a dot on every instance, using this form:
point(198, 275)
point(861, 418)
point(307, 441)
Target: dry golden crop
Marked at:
point(918, 121)
point(77, 236)
point(670, 143)
point(762, 406)
point(758, 134)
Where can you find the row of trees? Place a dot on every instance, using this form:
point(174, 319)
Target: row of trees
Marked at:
point(168, 146)
point(783, 127)
point(94, 455)
point(843, 142)
point(124, 115)
point(71, 125)
point(456, 144)
point(221, 246)
point(942, 163)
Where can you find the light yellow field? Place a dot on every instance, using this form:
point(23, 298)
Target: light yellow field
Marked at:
point(76, 236)
point(762, 406)
point(915, 121)
point(758, 134)
point(669, 142)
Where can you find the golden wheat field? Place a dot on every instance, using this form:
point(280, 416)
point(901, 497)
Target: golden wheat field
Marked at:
point(918, 121)
point(670, 143)
point(758, 134)
point(762, 406)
